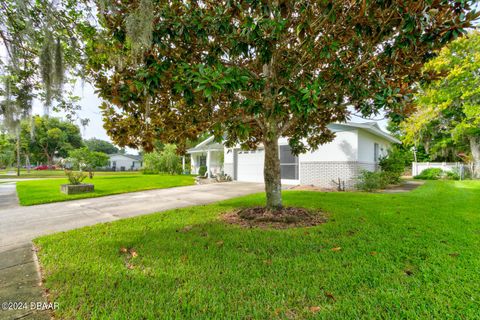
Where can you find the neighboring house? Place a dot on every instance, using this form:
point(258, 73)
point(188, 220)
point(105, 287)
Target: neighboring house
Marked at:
point(356, 147)
point(124, 162)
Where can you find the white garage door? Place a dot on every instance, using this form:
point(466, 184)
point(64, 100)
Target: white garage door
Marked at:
point(250, 165)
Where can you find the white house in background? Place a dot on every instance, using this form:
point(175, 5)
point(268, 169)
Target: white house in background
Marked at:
point(356, 147)
point(124, 162)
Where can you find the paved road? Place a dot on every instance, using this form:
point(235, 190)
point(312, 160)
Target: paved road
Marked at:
point(19, 225)
point(8, 195)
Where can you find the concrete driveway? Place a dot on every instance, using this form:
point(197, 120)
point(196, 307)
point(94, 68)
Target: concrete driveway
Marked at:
point(19, 225)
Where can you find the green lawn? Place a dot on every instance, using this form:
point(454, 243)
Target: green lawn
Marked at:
point(56, 173)
point(48, 190)
point(403, 256)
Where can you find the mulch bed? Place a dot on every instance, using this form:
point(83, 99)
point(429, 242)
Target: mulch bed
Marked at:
point(288, 217)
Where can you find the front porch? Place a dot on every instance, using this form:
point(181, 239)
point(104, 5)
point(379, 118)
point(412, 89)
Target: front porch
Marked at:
point(207, 154)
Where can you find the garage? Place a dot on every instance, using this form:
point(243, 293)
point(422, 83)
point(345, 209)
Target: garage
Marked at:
point(249, 165)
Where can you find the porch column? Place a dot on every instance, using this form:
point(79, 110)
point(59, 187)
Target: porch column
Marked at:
point(208, 163)
point(193, 164)
point(183, 164)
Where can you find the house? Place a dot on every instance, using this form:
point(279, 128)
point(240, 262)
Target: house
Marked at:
point(124, 162)
point(356, 147)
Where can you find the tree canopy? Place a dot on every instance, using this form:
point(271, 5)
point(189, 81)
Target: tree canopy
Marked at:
point(99, 145)
point(53, 138)
point(7, 150)
point(250, 72)
point(85, 159)
point(448, 117)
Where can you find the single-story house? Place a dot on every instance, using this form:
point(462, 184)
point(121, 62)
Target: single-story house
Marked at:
point(124, 162)
point(356, 147)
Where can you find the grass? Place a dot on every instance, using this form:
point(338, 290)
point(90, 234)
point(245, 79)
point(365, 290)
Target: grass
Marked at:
point(55, 173)
point(48, 190)
point(402, 256)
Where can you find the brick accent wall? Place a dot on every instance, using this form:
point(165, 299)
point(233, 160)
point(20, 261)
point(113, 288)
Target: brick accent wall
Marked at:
point(321, 173)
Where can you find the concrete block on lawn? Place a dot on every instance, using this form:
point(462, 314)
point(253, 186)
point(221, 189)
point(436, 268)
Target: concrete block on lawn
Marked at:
point(76, 188)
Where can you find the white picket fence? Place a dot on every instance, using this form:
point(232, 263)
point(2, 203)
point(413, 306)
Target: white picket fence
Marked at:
point(418, 167)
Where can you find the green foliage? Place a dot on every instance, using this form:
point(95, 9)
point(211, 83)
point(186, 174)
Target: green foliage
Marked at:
point(52, 138)
point(430, 174)
point(7, 151)
point(41, 42)
point(202, 170)
point(99, 145)
point(452, 175)
point(165, 161)
point(371, 181)
point(447, 121)
point(75, 178)
point(260, 70)
point(393, 165)
point(84, 159)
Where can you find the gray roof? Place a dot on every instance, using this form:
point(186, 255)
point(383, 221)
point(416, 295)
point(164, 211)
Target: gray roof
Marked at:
point(371, 127)
point(205, 145)
point(131, 156)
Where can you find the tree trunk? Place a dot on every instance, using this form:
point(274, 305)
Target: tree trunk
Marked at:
point(18, 155)
point(475, 149)
point(27, 163)
point(271, 173)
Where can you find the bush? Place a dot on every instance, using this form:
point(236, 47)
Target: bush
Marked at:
point(371, 181)
point(202, 170)
point(430, 174)
point(165, 161)
point(452, 175)
point(393, 166)
point(75, 178)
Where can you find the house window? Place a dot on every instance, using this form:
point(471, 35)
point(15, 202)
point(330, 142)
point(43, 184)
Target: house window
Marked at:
point(288, 163)
point(202, 160)
point(376, 152)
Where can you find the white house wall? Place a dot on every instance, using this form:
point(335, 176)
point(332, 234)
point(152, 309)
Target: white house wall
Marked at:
point(351, 151)
point(366, 149)
point(343, 148)
point(122, 161)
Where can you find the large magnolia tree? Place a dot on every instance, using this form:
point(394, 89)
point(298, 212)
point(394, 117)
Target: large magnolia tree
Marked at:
point(448, 115)
point(250, 72)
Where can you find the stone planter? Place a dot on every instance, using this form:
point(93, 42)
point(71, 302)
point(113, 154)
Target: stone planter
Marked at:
point(76, 188)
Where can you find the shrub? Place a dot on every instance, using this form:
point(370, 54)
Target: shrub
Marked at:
point(393, 166)
point(430, 174)
point(371, 181)
point(75, 178)
point(452, 175)
point(166, 161)
point(202, 170)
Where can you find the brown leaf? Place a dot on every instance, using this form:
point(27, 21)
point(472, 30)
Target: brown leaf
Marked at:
point(268, 261)
point(133, 253)
point(123, 250)
point(373, 253)
point(186, 229)
point(130, 266)
point(329, 295)
point(315, 309)
point(454, 254)
point(220, 243)
point(408, 272)
point(337, 249)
